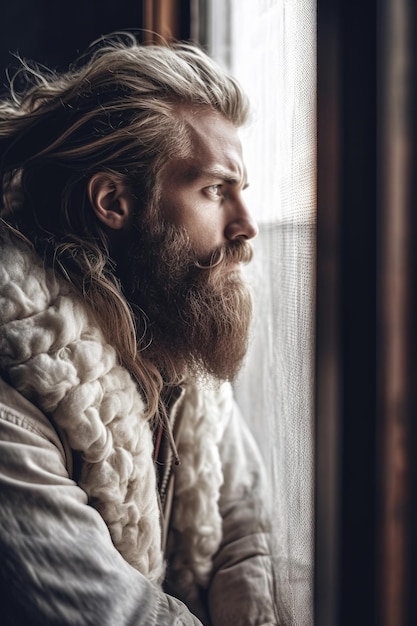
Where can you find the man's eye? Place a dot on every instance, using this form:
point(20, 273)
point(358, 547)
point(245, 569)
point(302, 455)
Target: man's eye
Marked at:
point(215, 190)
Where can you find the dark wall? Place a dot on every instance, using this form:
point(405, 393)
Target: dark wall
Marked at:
point(54, 32)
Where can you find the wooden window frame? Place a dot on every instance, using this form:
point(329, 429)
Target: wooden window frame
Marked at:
point(169, 19)
point(366, 471)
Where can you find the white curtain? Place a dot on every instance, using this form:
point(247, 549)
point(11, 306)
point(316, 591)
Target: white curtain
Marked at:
point(269, 45)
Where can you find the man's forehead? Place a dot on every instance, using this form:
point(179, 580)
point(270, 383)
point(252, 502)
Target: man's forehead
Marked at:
point(216, 149)
point(204, 123)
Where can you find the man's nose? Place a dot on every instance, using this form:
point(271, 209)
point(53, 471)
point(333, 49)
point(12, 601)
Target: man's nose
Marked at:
point(241, 222)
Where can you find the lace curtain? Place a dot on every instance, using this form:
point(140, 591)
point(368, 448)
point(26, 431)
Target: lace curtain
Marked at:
point(270, 47)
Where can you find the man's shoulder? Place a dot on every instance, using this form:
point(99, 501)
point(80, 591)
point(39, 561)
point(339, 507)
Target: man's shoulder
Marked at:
point(21, 416)
point(13, 403)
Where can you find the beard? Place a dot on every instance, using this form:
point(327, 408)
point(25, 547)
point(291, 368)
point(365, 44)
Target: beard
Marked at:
point(192, 315)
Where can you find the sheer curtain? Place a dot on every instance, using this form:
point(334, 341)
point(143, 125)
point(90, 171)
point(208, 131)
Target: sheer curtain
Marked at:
point(270, 47)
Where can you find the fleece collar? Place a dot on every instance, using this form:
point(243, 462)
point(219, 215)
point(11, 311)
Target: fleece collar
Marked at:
point(55, 355)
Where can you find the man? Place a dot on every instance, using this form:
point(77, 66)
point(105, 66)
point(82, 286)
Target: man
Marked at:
point(131, 491)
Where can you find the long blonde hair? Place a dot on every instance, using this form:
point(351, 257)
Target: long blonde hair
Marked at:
point(115, 110)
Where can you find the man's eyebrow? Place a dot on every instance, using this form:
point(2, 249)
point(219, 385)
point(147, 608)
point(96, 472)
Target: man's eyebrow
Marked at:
point(225, 174)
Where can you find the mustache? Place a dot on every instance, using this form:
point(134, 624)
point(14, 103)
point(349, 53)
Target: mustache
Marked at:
point(238, 251)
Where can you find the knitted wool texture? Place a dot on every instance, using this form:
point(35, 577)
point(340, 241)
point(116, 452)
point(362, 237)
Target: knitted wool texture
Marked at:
point(55, 355)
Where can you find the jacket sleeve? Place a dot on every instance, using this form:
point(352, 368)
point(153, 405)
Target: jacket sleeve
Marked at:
point(58, 564)
point(242, 590)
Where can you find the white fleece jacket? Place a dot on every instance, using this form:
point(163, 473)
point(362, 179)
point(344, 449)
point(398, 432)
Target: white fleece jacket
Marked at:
point(90, 552)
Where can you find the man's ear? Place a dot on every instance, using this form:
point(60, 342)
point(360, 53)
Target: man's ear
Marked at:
point(110, 199)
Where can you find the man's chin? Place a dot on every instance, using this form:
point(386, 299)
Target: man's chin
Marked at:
point(195, 319)
point(205, 340)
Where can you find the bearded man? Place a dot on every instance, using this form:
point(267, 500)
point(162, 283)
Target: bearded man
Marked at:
point(131, 490)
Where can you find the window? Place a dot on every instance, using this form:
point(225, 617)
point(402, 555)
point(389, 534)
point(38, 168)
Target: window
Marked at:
point(269, 45)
